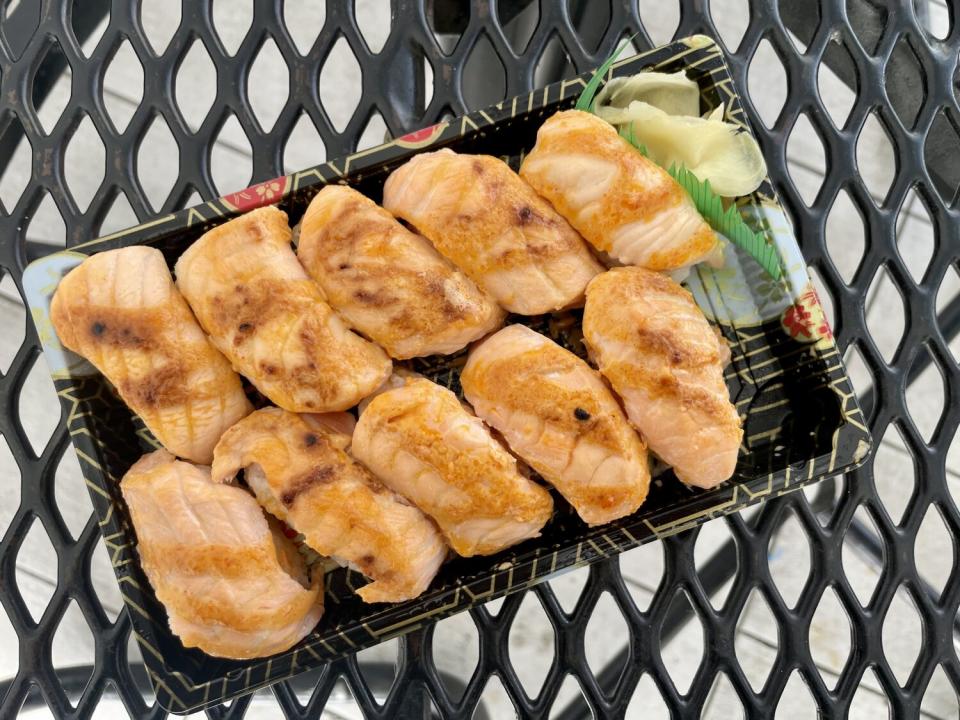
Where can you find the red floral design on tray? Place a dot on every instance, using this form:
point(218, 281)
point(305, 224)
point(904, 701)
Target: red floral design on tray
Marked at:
point(421, 138)
point(805, 320)
point(265, 193)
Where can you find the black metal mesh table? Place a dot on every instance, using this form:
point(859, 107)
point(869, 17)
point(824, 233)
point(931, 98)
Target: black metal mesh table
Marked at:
point(478, 54)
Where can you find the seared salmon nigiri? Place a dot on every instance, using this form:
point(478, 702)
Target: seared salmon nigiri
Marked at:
point(623, 203)
point(299, 468)
point(423, 444)
point(232, 583)
point(493, 226)
point(389, 283)
point(556, 413)
point(652, 342)
point(261, 309)
point(121, 311)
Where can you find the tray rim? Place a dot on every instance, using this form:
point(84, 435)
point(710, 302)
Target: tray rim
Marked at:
point(222, 209)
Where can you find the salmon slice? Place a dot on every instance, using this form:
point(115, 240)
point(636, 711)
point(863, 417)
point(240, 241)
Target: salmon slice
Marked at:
point(300, 470)
point(624, 204)
point(486, 220)
point(652, 342)
point(556, 413)
point(121, 311)
point(232, 583)
point(387, 282)
point(422, 443)
point(264, 313)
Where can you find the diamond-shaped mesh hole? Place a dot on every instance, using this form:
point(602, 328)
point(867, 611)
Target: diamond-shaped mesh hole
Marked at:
point(84, 163)
point(789, 558)
point(231, 166)
point(876, 161)
point(531, 645)
point(196, 85)
point(607, 635)
point(789, 11)
point(307, 684)
point(46, 224)
point(731, 20)
point(568, 587)
point(123, 86)
point(456, 650)
point(102, 576)
point(19, 166)
point(867, 19)
point(37, 406)
point(158, 162)
point(377, 666)
point(948, 292)
point(796, 701)
point(935, 17)
point(485, 80)
point(10, 658)
point(52, 84)
point(710, 537)
point(926, 397)
point(340, 84)
point(940, 699)
point(373, 19)
point(905, 77)
point(492, 607)
point(845, 236)
point(72, 647)
point(805, 150)
point(683, 653)
point(830, 636)
point(374, 133)
point(835, 75)
point(554, 63)
point(304, 147)
point(857, 371)
point(642, 570)
point(160, 20)
point(16, 9)
point(893, 473)
point(933, 549)
point(661, 18)
point(120, 216)
point(428, 85)
point(756, 641)
point(304, 19)
point(861, 572)
point(83, 10)
point(518, 27)
point(9, 490)
point(36, 570)
point(495, 699)
point(267, 84)
point(902, 635)
point(868, 702)
point(590, 33)
point(232, 20)
point(13, 319)
point(72, 498)
point(647, 702)
point(943, 141)
point(885, 316)
point(569, 690)
point(767, 83)
point(915, 239)
point(722, 702)
point(447, 22)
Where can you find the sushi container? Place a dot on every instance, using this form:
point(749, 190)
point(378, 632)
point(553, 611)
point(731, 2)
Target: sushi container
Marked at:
point(801, 417)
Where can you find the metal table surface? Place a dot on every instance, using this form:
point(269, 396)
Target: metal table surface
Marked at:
point(480, 52)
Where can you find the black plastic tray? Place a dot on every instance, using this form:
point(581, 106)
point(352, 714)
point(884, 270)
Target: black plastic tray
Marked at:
point(801, 417)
